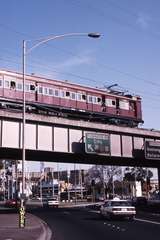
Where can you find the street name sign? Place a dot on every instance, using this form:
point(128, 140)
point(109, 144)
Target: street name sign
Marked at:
point(152, 150)
point(97, 143)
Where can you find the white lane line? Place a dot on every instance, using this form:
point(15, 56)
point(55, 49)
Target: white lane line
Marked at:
point(148, 221)
point(94, 211)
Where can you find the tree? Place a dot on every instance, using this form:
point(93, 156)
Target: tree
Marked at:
point(103, 177)
point(143, 175)
point(137, 174)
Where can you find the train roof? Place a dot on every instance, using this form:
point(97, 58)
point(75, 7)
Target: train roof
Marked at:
point(65, 84)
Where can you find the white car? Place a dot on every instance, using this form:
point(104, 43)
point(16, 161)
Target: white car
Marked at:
point(53, 202)
point(117, 207)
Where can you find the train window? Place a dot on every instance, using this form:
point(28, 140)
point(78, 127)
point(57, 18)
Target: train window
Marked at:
point(50, 91)
point(83, 97)
point(1, 82)
point(99, 99)
point(6, 84)
point(67, 94)
point(79, 96)
point(94, 99)
point(73, 96)
point(110, 102)
point(62, 94)
point(123, 104)
point(19, 86)
point(132, 106)
point(90, 99)
point(27, 87)
point(32, 87)
point(56, 93)
point(13, 84)
point(46, 91)
point(40, 90)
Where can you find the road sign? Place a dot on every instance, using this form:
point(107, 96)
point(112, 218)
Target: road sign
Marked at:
point(152, 150)
point(97, 143)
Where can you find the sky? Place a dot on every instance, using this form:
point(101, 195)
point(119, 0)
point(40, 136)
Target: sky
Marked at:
point(127, 53)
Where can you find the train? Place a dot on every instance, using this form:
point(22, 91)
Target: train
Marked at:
point(66, 99)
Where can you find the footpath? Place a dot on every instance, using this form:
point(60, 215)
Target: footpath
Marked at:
point(35, 228)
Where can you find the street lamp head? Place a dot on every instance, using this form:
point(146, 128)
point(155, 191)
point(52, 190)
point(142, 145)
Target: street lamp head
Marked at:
point(94, 35)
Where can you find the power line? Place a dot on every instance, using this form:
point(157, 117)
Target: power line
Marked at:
point(100, 65)
point(101, 13)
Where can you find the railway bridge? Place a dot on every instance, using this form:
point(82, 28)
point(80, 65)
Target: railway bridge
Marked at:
point(57, 139)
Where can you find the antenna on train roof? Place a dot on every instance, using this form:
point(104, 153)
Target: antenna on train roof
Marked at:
point(115, 91)
point(113, 85)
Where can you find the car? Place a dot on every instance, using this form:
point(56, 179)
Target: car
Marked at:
point(118, 208)
point(139, 201)
point(12, 203)
point(53, 202)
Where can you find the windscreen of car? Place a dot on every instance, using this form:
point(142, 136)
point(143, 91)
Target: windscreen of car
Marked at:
point(120, 203)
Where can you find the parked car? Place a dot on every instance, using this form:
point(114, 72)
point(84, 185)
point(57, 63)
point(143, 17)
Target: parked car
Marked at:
point(13, 203)
point(118, 208)
point(53, 202)
point(139, 201)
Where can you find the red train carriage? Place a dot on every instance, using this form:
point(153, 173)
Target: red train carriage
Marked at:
point(71, 100)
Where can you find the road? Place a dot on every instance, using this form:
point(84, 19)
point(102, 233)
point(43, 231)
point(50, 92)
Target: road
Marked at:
point(86, 224)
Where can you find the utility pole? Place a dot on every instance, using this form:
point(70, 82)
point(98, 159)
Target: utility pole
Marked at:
point(68, 183)
point(75, 183)
point(104, 186)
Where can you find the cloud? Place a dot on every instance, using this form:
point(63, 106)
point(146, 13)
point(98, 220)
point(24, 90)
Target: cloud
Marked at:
point(83, 59)
point(67, 66)
point(143, 21)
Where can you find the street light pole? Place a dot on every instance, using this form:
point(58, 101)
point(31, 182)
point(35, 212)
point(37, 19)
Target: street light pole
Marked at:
point(25, 52)
point(24, 118)
point(22, 197)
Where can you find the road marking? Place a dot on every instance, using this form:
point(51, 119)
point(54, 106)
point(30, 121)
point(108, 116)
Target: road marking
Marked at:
point(123, 229)
point(112, 226)
point(94, 211)
point(137, 219)
point(148, 221)
point(67, 213)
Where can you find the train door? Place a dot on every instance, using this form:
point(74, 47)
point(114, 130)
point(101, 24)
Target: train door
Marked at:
point(39, 93)
point(117, 106)
point(103, 103)
point(36, 92)
point(90, 103)
point(132, 109)
point(1, 85)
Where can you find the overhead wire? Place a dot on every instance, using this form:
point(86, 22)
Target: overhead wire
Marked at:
point(85, 78)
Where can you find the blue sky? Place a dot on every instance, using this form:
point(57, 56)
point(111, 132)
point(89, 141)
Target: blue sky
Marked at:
point(127, 52)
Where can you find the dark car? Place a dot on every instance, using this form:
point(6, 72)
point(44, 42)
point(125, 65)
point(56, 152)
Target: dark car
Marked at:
point(139, 201)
